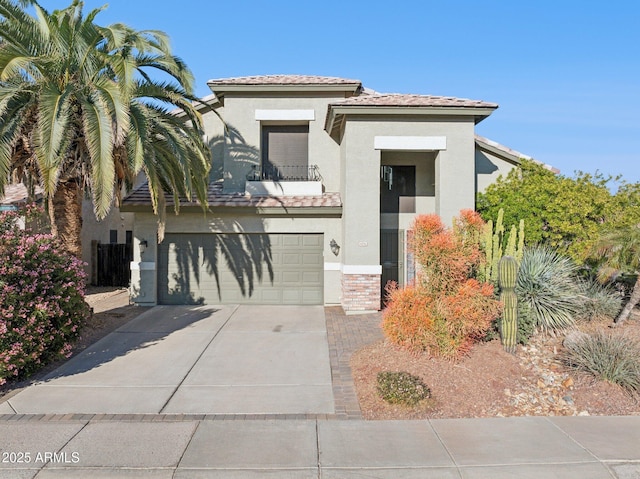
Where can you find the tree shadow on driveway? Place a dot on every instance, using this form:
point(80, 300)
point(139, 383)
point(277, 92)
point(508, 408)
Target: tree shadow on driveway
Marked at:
point(171, 336)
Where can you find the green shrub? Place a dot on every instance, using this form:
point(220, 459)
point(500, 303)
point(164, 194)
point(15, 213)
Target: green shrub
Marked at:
point(547, 285)
point(611, 358)
point(597, 301)
point(402, 388)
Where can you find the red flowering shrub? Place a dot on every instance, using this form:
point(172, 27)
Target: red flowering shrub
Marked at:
point(445, 311)
point(447, 256)
point(41, 299)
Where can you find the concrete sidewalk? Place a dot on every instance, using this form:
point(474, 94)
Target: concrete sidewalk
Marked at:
point(184, 447)
point(195, 360)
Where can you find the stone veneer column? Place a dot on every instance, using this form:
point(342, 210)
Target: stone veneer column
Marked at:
point(360, 292)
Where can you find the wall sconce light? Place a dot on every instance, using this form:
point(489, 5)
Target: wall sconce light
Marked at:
point(335, 247)
point(143, 246)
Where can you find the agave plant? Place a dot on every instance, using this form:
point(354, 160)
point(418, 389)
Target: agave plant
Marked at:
point(547, 286)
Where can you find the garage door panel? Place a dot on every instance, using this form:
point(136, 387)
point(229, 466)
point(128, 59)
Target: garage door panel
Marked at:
point(271, 296)
point(312, 259)
point(291, 240)
point(310, 278)
point(293, 258)
point(291, 296)
point(311, 296)
point(291, 277)
point(276, 257)
point(312, 240)
point(296, 260)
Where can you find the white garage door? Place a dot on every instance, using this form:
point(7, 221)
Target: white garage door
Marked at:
point(241, 268)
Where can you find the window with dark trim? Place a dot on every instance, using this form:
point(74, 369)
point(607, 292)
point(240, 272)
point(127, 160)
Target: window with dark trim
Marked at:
point(285, 152)
point(113, 236)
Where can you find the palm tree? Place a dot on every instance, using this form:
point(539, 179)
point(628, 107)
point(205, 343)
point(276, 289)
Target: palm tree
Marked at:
point(80, 113)
point(619, 251)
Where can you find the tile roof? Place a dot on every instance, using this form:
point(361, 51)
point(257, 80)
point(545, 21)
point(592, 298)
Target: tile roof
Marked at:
point(511, 152)
point(283, 80)
point(141, 197)
point(16, 194)
point(406, 100)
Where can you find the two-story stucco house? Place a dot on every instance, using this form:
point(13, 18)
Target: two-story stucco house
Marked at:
point(315, 183)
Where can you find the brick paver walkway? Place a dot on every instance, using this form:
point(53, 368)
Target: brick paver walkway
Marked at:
point(347, 334)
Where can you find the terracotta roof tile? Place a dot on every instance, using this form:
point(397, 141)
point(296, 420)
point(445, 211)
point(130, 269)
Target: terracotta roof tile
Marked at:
point(141, 197)
point(402, 100)
point(17, 194)
point(283, 80)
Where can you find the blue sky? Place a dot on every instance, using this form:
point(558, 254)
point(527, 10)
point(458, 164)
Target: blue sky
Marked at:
point(565, 73)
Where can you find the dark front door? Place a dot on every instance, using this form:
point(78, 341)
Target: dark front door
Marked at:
point(392, 258)
point(398, 189)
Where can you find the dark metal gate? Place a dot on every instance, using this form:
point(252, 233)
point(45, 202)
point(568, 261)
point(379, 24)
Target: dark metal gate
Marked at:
point(114, 264)
point(392, 258)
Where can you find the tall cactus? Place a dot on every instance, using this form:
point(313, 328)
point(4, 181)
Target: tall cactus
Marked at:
point(496, 244)
point(487, 243)
point(507, 273)
point(520, 250)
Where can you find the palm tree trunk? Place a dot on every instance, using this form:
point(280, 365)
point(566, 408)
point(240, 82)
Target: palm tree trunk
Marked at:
point(633, 300)
point(65, 213)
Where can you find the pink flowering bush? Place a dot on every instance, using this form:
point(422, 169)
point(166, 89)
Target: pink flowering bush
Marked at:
point(41, 299)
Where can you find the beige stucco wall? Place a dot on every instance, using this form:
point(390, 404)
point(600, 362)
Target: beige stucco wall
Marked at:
point(445, 182)
point(454, 174)
point(223, 222)
point(215, 137)
point(240, 115)
point(489, 167)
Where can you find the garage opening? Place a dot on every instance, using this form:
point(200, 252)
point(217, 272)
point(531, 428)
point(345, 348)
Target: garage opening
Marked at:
point(244, 268)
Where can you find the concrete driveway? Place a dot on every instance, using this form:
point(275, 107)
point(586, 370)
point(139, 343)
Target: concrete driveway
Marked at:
point(196, 360)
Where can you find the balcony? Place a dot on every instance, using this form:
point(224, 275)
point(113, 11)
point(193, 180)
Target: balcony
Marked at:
point(284, 180)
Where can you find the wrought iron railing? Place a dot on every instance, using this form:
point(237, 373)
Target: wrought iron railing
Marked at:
point(284, 173)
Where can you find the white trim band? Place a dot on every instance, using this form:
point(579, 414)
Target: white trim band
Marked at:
point(361, 269)
point(143, 266)
point(410, 143)
point(285, 115)
point(332, 266)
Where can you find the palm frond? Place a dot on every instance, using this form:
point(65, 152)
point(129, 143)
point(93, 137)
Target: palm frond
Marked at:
point(111, 94)
point(98, 136)
point(618, 252)
point(54, 117)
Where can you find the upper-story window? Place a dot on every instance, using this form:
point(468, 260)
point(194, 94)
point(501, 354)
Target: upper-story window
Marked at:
point(285, 152)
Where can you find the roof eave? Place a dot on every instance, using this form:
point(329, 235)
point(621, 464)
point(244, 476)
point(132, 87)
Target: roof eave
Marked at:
point(513, 156)
point(220, 89)
point(336, 112)
point(489, 148)
point(140, 207)
point(209, 102)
